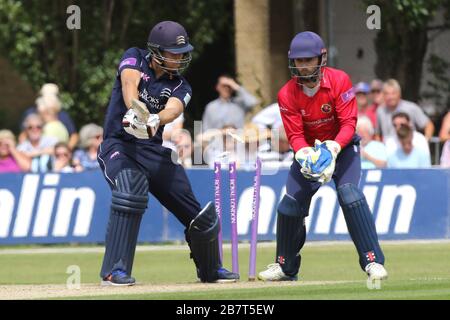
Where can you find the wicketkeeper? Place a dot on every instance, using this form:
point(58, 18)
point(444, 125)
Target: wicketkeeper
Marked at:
point(148, 93)
point(319, 114)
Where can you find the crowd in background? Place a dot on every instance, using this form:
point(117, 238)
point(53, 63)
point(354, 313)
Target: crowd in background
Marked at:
point(49, 141)
point(395, 133)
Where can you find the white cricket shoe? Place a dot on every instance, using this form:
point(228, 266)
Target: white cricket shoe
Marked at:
point(275, 273)
point(376, 271)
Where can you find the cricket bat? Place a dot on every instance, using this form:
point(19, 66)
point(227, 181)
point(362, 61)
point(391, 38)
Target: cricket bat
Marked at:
point(141, 110)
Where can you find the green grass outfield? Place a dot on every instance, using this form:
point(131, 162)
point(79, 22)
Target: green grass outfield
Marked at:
point(417, 270)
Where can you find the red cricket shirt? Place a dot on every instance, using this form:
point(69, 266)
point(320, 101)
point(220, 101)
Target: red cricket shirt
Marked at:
point(330, 114)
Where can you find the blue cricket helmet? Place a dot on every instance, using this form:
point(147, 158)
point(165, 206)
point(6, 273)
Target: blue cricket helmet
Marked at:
point(307, 44)
point(170, 36)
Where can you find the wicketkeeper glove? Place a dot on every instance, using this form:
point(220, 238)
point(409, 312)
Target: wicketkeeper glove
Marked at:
point(306, 157)
point(326, 162)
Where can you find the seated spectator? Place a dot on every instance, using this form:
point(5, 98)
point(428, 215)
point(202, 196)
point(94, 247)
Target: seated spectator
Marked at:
point(62, 161)
point(11, 159)
point(393, 103)
point(91, 136)
point(362, 90)
point(444, 133)
point(49, 107)
point(269, 117)
point(36, 146)
point(408, 156)
point(184, 148)
point(230, 107)
point(376, 93)
point(445, 156)
point(373, 153)
point(63, 116)
point(276, 152)
point(280, 153)
point(171, 131)
point(392, 143)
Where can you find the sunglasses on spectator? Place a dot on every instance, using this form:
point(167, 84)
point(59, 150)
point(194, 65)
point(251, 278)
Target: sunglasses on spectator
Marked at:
point(34, 127)
point(375, 91)
point(62, 154)
point(399, 124)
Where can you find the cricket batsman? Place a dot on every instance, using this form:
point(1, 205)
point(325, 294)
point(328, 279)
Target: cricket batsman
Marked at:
point(319, 113)
point(148, 93)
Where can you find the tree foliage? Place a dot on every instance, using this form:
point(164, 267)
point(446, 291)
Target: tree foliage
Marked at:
point(402, 42)
point(83, 62)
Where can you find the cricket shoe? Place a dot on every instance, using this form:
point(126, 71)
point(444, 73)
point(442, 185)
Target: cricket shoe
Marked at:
point(275, 273)
point(225, 276)
point(376, 271)
point(118, 278)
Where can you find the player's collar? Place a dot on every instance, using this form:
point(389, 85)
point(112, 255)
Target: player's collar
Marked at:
point(325, 81)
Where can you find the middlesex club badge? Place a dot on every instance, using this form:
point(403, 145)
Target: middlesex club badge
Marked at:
point(326, 108)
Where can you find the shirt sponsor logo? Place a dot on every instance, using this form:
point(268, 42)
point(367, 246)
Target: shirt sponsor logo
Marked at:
point(318, 122)
point(128, 62)
point(151, 101)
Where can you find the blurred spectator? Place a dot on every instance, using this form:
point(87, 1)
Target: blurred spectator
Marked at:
point(91, 136)
point(445, 156)
point(362, 90)
point(63, 116)
point(274, 152)
point(11, 160)
point(376, 93)
point(223, 147)
point(269, 117)
point(48, 107)
point(393, 104)
point(230, 107)
point(171, 131)
point(373, 153)
point(444, 133)
point(408, 156)
point(36, 144)
point(280, 153)
point(37, 147)
point(184, 148)
point(62, 161)
point(393, 143)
